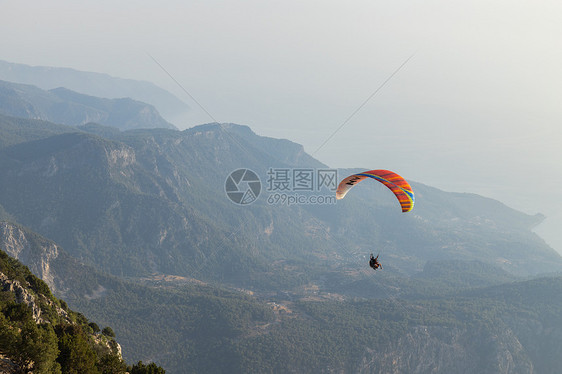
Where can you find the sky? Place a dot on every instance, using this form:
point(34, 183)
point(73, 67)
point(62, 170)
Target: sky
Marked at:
point(459, 95)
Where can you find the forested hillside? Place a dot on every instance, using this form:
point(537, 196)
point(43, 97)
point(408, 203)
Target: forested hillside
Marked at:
point(136, 230)
point(138, 202)
point(478, 320)
point(40, 334)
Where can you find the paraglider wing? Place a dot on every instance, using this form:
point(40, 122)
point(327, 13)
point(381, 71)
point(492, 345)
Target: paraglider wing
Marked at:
point(393, 181)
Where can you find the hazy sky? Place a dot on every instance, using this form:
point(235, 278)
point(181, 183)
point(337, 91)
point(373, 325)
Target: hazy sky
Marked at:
point(476, 109)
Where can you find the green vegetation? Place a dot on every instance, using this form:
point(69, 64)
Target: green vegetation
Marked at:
point(140, 368)
point(14, 130)
point(191, 322)
point(198, 324)
point(39, 334)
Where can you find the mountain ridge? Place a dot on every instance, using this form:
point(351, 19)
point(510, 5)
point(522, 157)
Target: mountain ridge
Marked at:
point(94, 84)
point(166, 185)
point(71, 108)
point(149, 207)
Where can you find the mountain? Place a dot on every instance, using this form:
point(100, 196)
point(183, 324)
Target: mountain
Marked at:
point(137, 230)
point(15, 130)
point(506, 326)
point(66, 107)
point(149, 319)
point(138, 202)
point(40, 334)
point(94, 84)
point(116, 185)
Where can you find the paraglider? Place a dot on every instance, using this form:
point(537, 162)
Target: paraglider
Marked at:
point(398, 185)
point(393, 181)
point(374, 262)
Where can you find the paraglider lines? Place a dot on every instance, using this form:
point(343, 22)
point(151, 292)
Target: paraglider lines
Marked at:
point(363, 104)
point(221, 126)
point(352, 258)
point(180, 86)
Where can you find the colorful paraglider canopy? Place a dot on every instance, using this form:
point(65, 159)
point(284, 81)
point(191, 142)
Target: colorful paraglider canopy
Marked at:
point(393, 181)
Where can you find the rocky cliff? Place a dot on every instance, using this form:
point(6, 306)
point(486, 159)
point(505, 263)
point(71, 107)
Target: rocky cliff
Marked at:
point(16, 243)
point(438, 349)
point(38, 332)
